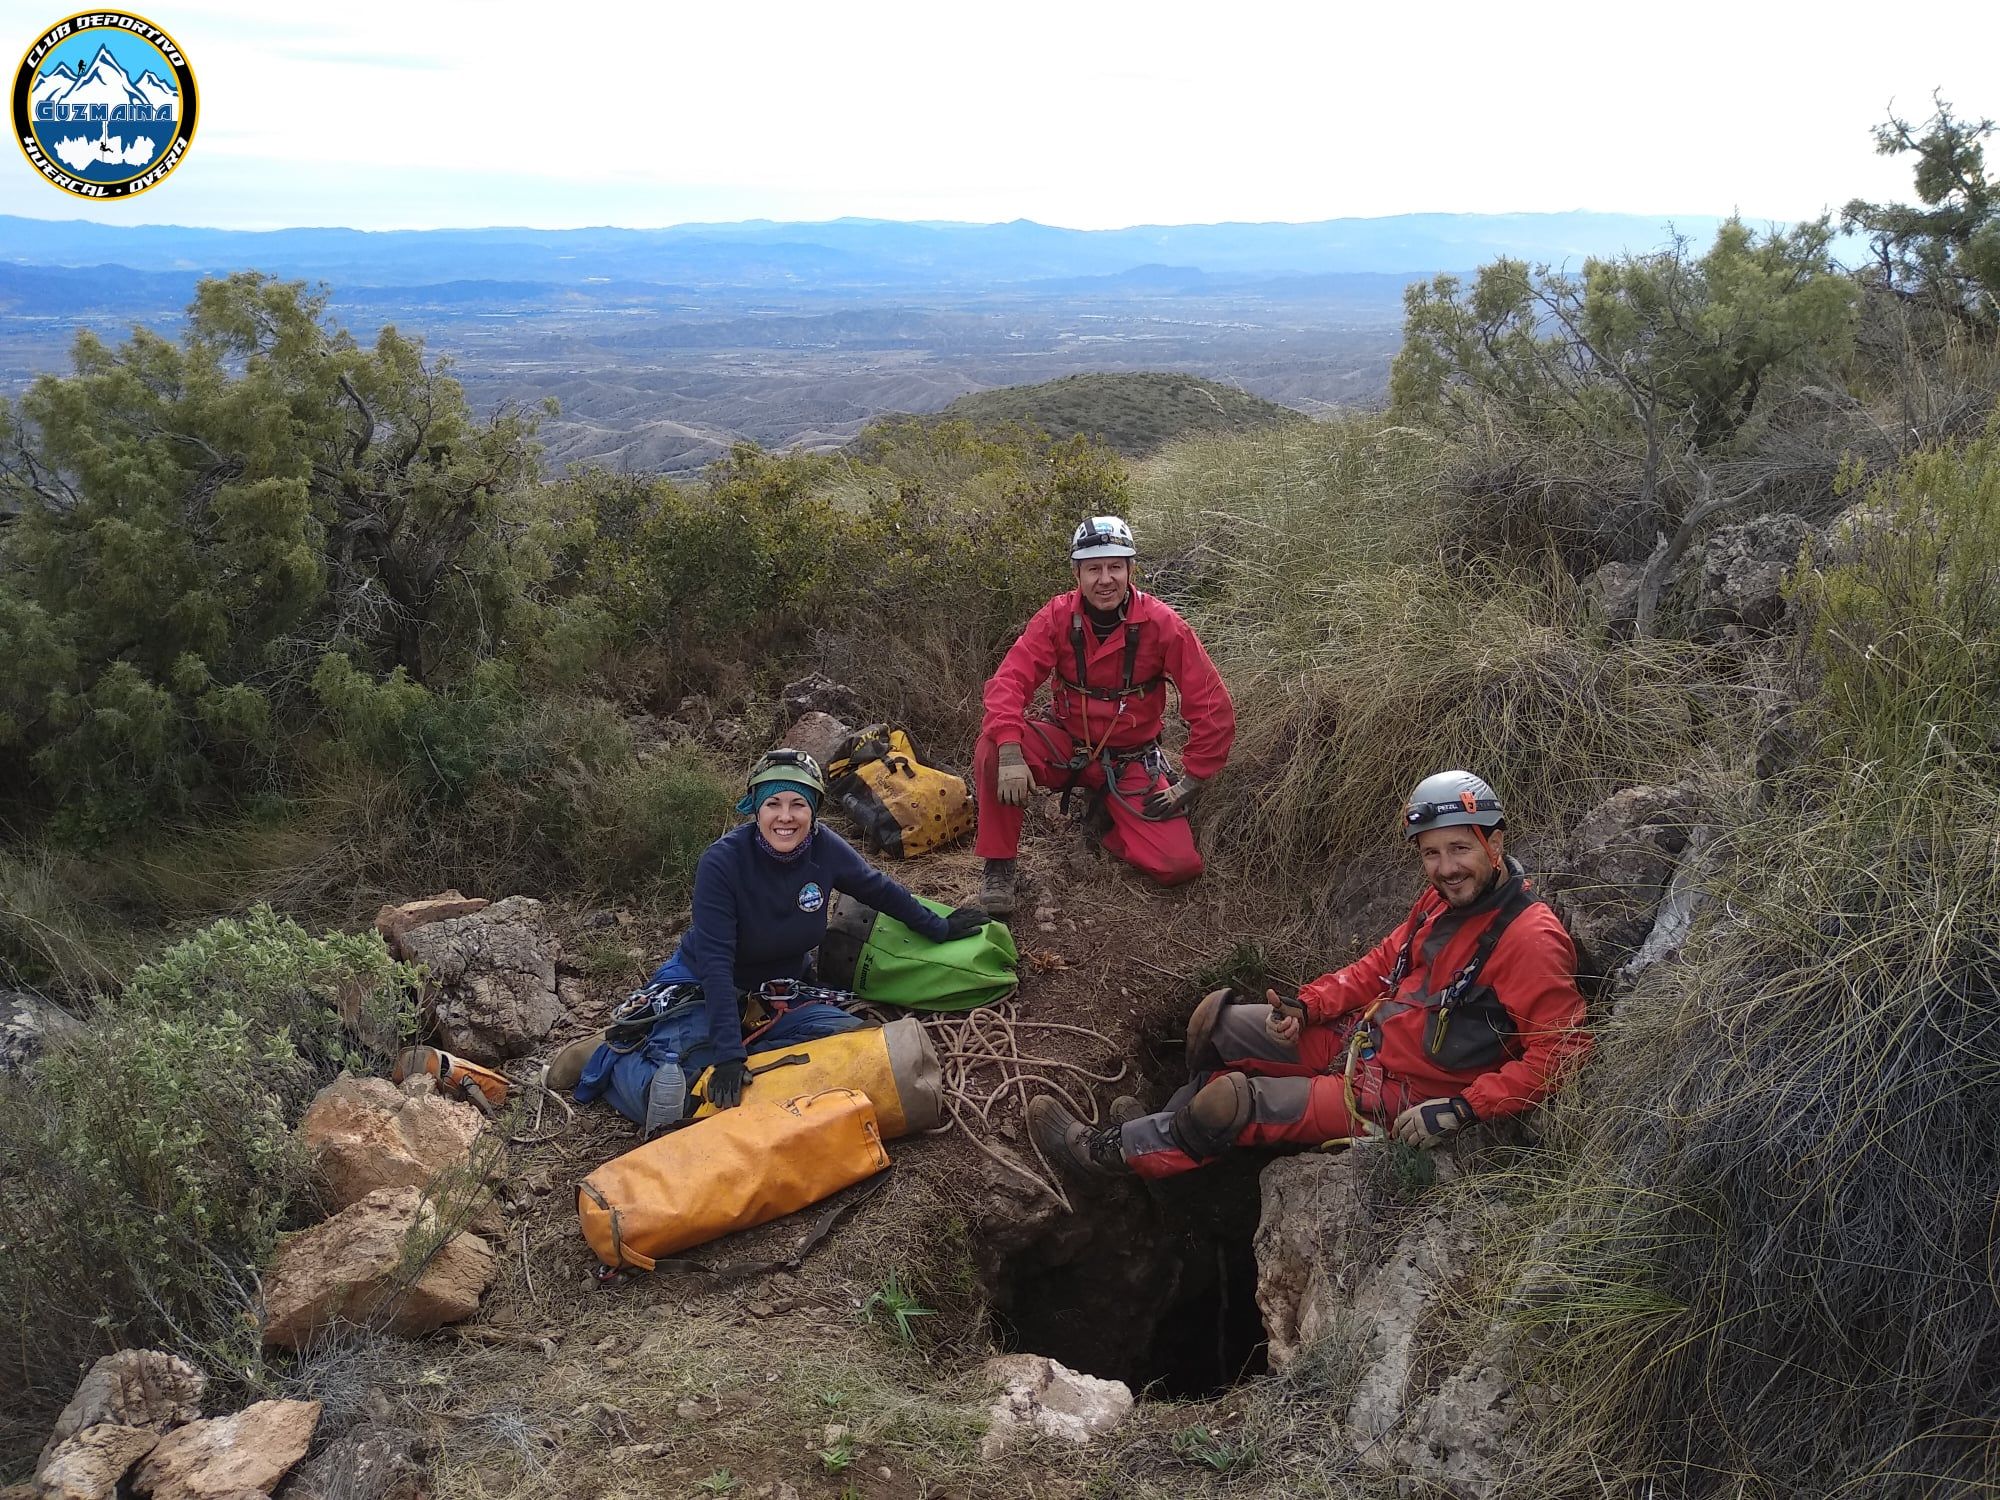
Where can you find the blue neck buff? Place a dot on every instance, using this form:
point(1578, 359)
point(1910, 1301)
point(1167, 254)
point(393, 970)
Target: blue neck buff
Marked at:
point(796, 855)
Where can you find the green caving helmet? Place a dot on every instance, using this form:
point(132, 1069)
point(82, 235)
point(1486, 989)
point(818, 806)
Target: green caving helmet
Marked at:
point(1452, 799)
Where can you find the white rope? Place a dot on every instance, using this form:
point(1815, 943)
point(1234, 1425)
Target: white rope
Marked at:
point(982, 1061)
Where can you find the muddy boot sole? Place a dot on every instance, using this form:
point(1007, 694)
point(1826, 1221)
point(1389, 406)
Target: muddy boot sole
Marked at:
point(1124, 1110)
point(566, 1067)
point(1201, 1025)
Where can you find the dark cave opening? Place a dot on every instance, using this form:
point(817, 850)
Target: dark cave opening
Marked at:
point(1152, 1284)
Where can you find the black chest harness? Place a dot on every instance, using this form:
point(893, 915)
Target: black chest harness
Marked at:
point(1083, 753)
point(1079, 644)
point(1461, 995)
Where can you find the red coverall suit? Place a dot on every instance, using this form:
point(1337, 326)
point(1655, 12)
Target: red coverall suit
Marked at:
point(1298, 1091)
point(1108, 712)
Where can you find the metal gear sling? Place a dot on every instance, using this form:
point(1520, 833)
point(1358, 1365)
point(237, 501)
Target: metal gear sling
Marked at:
point(1485, 1025)
point(1114, 761)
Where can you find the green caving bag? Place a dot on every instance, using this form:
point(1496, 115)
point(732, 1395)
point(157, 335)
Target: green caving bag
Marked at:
point(881, 960)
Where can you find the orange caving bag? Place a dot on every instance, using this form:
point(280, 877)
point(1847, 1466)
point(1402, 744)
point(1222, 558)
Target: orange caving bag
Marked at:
point(894, 1065)
point(734, 1170)
point(904, 807)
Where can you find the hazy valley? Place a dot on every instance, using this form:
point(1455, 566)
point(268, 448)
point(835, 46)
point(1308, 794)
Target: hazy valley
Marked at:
point(663, 347)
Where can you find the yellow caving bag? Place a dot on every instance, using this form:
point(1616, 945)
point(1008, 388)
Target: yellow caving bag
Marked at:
point(895, 1066)
point(904, 807)
point(743, 1167)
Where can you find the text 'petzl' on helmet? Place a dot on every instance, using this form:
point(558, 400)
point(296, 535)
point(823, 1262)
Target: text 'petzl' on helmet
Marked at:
point(1452, 799)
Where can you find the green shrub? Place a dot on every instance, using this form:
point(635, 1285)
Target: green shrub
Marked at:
point(1902, 628)
point(198, 520)
point(902, 567)
point(327, 1000)
point(1764, 1254)
point(147, 1162)
point(649, 822)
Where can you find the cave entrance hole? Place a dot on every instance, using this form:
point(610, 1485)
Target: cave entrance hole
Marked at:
point(1153, 1284)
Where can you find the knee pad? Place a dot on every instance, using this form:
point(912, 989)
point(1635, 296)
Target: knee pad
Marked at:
point(1208, 1124)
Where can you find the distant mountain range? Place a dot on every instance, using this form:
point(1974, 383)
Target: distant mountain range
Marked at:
point(851, 255)
point(667, 346)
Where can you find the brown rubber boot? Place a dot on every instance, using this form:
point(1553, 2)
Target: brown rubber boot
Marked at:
point(996, 888)
point(1124, 1110)
point(1080, 1149)
point(456, 1078)
point(566, 1067)
point(1201, 1026)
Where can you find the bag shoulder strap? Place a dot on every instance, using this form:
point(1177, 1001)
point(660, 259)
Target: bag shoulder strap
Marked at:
point(1466, 979)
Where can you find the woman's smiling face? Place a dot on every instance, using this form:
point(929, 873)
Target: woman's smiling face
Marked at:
point(784, 818)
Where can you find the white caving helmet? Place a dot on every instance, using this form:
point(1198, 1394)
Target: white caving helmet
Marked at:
point(1102, 536)
point(1452, 799)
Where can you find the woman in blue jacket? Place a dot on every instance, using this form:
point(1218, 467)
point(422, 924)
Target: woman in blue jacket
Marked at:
point(760, 898)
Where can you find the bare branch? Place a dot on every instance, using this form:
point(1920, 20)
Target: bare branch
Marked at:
point(367, 433)
point(1661, 564)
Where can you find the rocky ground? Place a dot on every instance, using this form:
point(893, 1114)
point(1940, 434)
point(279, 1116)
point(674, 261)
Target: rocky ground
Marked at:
point(1280, 1327)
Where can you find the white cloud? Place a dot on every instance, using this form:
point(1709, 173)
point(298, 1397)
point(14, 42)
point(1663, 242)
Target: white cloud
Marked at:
point(1085, 114)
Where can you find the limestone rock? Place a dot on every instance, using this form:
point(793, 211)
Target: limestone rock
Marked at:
point(1614, 590)
point(132, 1388)
point(1862, 528)
point(1334, 1263)
point(1614, 871)
point(815, 693)
point(247, 1453)
point(90, 1465)
point(27, 1022)
point(1464, 1432)
point(365, 1133)
point(492, 979)
point(1314, 1221)
point(393, 922)
point(351, 1268)
point(1039, 1395)
point(374, 1461)
point(819, 735)
point(1743, 573)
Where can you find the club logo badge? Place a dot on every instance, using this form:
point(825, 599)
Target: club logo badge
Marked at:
point(811, 898)
point(104, 105)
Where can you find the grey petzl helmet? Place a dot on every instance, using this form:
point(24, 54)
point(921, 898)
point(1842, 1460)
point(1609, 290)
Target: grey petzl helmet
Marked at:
point(1102, 536)
point(1452, 799)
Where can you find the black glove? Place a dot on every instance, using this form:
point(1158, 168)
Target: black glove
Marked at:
point(1172, 800)
point(964, 922)
point(726, 1082)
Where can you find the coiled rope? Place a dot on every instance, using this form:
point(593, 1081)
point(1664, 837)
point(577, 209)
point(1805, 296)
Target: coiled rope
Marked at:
point(980, 1053)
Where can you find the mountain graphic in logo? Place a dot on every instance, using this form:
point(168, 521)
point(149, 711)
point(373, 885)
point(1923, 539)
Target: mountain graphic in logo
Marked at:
point(104, 105)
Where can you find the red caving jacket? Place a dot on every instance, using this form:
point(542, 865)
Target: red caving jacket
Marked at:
point(1167, 648)
point(1531, 971)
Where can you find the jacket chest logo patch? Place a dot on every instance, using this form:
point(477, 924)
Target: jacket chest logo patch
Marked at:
point(811, 898)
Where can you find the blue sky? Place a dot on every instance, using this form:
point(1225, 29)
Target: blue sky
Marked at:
point(397, 114)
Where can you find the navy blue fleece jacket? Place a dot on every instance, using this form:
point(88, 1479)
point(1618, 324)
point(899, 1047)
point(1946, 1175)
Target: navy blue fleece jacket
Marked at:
point(757, 918)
